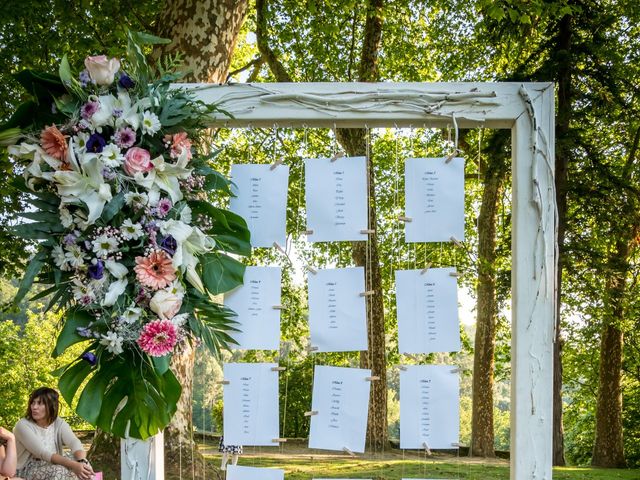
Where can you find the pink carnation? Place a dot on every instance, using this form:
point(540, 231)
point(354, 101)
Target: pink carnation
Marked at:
point(179, 142)
point(158, 338)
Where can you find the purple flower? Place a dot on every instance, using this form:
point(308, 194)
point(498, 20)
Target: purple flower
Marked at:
point(108, 174)
point(164, 205)
point(125, 137)
point(84, 78)
point(169, 244)
point(90, 357)
point(84, 332)
point(88, 109)
point(96, 143)
point(125, 81)
point(96, 270)
point(117, 112)
point(70, 239)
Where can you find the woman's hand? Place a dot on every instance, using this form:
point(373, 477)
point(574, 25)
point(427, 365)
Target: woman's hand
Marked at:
point(82, 470)
point(6, 435)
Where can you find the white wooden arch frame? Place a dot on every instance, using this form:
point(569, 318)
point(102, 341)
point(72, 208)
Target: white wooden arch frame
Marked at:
point(525, 108)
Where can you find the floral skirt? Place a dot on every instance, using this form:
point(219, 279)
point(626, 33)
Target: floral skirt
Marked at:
point(36, 469)
point(233, 449)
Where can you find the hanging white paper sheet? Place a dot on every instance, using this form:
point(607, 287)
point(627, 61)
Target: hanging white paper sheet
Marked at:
point(434, 199)
point(261, 199)
point(427, 309)
point(253, 302)
point(236, 472)
point(337, 310)
point(251, 412)
point(429, 406)
point(341, 398)
point(336, 196)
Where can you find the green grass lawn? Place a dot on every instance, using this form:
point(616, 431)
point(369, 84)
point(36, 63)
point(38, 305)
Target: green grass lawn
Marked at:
point(394, 465)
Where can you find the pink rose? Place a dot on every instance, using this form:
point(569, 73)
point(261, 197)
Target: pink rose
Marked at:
point(165, 304)
point(137, 160)
point(102, 70)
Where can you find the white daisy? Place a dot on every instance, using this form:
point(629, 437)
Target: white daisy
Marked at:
point(132, 314)
point(66, 219)
point(111, 156)
point(104, 245)
point(113, 343)
point(74, 256)
point(150, 123)
point(185, 215)
point(130, 230)
point(135, 199)
point(180, 320)
point(60, 258)
point(82, 292)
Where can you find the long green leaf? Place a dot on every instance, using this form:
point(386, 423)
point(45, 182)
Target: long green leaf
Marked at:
point(69, 335)
point(34, 267)
point(72, 378)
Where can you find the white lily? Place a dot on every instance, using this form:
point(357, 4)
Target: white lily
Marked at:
point(167, 175)
point(129, 115)
point(104, 115)
point(116, 269)
point(115, 290)
point(87, 187)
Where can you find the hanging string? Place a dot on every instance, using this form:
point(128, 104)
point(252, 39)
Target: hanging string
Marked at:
point(395, 237)
point(191, 437)
point(204, 424)
point(286, 391)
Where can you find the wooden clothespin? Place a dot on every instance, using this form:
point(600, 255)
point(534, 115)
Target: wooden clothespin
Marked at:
point(455, 370)
point(367, 232)
point(338, 155)
point(451, 156)
point(372, 379)
point(426, 448)
point(368, 293)
point(425, 269)
point(223, 382)
point(454, 274)
point(311, 413)
point(310, 269)
point(456, 242)
point(279, 440)
point(279, 307)
point(308, 232)
point(276, 164)
point(278, 247)
point(346, 450)
point(403, 368)
point(405, 219)
point(278, 369)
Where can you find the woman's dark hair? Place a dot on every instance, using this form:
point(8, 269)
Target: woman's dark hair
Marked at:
point(49, 397)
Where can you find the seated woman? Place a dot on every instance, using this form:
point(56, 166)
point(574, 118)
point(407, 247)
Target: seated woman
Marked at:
point(40, 438)
point(8, 454)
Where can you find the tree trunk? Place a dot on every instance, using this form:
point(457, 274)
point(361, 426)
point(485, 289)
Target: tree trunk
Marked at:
point(482, 435)
point(565, 111)
point(205, 32)
point(608, 448)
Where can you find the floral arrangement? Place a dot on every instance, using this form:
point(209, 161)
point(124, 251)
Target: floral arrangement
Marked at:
point(127, 238)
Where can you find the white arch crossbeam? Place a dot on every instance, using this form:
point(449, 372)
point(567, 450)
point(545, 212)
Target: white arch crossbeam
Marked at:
point(528, 110)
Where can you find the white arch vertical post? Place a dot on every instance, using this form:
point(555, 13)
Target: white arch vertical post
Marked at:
point(526, 109)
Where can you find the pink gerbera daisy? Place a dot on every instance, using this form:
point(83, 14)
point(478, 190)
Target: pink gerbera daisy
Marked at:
point(155, 271)
point(158, 338)
point(54, 142)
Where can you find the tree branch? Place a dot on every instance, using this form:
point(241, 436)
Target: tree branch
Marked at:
point(255, 61)
point(276, 67)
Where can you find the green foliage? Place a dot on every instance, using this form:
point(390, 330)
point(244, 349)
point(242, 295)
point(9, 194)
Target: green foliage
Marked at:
point(26, 364)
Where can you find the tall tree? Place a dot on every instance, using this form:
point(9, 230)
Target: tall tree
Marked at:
point(482, 429)
point(205, 32)
point(364, 254)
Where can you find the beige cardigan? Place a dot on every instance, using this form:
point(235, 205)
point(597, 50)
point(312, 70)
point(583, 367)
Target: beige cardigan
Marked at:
point(29, 444)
